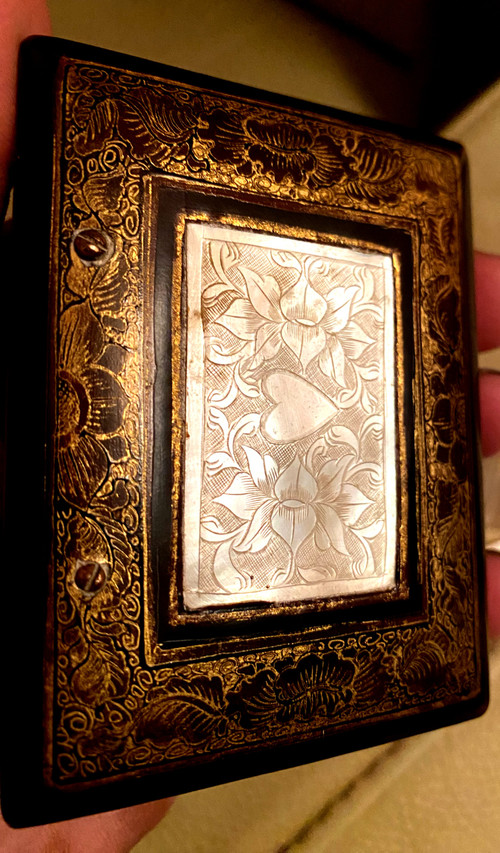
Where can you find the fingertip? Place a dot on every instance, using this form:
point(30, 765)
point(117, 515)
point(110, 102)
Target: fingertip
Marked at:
point(489, 404)
point(493, 593)
point(487, 274)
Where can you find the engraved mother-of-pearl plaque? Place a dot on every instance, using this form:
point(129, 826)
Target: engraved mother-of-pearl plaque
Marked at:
point(290, 470)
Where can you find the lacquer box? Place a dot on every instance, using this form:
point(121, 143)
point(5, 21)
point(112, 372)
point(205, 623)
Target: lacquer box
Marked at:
point(243, 518)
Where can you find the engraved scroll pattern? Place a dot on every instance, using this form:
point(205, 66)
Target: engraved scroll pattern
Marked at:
point(112, 713)
point(294, 485)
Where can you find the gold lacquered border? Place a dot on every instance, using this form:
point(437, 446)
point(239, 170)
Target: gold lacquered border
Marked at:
point(118, 709)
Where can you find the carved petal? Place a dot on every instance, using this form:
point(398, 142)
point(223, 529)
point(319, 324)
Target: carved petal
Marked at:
point(264, 294)
point(351, 504)
point(332, 526)
point(107, 400)
point(241, 319)
point(259, 531)
point(305, 341)
point(339, 308)
point(293, 523)
point(302, 303)
point(354, 340)
point(83, 466)
point(242, 497)
point(295, 483)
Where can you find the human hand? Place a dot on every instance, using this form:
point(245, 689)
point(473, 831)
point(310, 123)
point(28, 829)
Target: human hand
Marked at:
point(487, 273)
point(116, 831)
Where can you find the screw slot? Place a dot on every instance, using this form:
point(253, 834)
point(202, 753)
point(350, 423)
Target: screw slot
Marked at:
point(93, 247)
point(90, 576)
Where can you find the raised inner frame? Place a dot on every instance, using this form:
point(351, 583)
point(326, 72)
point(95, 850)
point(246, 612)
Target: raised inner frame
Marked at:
point(290, 488)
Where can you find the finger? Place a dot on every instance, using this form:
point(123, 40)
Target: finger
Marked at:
point(493, 593)
point(18, 20)
point(489, 404)
point(117, 831)
point(487, 272)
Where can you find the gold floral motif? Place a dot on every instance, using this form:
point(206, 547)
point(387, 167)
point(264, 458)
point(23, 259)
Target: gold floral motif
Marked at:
point(113, 714)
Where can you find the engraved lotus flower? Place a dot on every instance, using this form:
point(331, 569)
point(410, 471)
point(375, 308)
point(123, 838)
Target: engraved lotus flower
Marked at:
point(90, 402)
point(279, 148)
point(293, 503)
point(310, 321)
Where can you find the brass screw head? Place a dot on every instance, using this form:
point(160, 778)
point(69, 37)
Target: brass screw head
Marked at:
point(92, 246)
point(90, 576)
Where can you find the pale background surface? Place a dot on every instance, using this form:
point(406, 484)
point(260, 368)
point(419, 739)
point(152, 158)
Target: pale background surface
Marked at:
point(436, 792)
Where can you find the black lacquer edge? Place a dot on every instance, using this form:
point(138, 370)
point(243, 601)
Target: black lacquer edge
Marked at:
point(472, 379)
point(27, 517)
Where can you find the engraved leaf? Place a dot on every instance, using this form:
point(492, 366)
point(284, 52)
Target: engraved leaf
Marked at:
point(372, 530)
point(332, 361)
point(247, 388)
point(424, 665)
point(285, 259)
point(104, 742)
point(240, 319)
point(218, 462)
point(372, 682)
point(256, 699)
point(267, 343)
point(331, 477)
point(102, 676)
point(246, 425)
point(193, 710)
point(263, 469)
point(315, 685)
point(264, 294)
point(355, 340)
point(242, 497)
point(339, 308)
point(429, 176)
point(343, 435)
point(99, 129)
point(157, 126)
point(224, 256)
point(109, 286)
point(212, 293)
point(219, 353)
point(329, 530)
point(218, 420)
point(104, 191)
point(351, 504)
point(259, 530)
point(369, 372)
point(376, 163)
point(225, 572)
point(315, 574)
point(211, 530)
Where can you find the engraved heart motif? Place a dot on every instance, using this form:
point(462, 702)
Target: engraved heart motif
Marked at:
point(299, 408)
